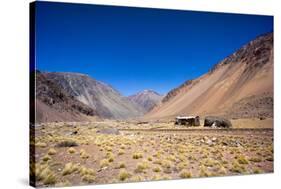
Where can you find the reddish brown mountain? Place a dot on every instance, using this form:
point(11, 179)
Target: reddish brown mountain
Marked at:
point(241, 85)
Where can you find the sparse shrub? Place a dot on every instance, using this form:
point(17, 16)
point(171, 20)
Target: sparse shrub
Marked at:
point(104, 163)
point(157, 177)
point(46, 158)
point(44, 174)
point(63, 184)
point(166, 164)
point(269, 158)
point(71, 150)
point(137, 178)
point(141, 167)
point(158, 161)
point(109, 149)
point(122, 165)
point(67, 143)
point(185, 174)
point(88, 175)
point(48, 177)
point(255, 159)
point(41, 144)
point(237, 168)
point(52, 151)
point(86, 171)
point(84, 154)
point(123, 175)
point(157, 155)
point(210, 162)
point(121, 152)
point(204, 172)
point(182, 165)
point(157, 169)
point(88, 178)
point(242, 159)
point(257, 171)
point(137, 155)
point(69, 168)
point(149, 158)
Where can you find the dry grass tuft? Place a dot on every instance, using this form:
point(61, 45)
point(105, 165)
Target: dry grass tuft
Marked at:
point(242, 159)
point(185, 174)
point(44, 174)
point(84, 154)
point(255, 159)
point(137, 155)
point(141, 167)
point(71, 150)
point(157, 169)
point(46, 158)
point(52, 151)
point(41, 144)
point(70, 168)
point(123, 175)
point(104, 163)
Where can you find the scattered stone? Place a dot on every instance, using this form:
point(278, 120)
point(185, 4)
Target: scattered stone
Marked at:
point(214, 139)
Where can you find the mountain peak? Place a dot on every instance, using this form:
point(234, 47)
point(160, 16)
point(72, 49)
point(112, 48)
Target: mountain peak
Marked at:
point(147, 99)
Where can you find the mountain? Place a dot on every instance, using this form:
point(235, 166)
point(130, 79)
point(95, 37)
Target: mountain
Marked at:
point(101, 97)
point(146, 99)
point(55, 104)
point(241, 85)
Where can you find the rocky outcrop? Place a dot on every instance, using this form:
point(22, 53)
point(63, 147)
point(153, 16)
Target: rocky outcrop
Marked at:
point(214, 122)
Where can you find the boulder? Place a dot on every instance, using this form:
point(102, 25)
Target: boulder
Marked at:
point(217, 122)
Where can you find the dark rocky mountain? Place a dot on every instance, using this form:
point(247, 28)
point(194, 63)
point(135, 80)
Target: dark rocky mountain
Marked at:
point(101, 97)
point(55, 104)
point(241, 85)
point(146, 99)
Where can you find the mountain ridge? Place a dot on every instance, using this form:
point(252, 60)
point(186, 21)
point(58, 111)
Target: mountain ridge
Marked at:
point(227, 82)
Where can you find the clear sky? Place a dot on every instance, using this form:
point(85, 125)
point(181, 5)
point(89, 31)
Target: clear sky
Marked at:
point(133, 49)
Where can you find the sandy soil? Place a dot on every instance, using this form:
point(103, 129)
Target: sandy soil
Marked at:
point(129, 156)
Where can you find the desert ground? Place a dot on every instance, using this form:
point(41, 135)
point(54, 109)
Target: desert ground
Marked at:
point(111, 151)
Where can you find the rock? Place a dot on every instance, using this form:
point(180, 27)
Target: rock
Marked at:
point(214, 139)
point(213, 121)
point(209, 142)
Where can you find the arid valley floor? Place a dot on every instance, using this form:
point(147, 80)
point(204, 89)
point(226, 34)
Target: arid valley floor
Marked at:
point(100, 152)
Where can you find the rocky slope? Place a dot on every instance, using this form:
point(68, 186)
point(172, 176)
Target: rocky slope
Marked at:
point(101, 97)
point(55, 104)
point(241, 85)
point(146, 99)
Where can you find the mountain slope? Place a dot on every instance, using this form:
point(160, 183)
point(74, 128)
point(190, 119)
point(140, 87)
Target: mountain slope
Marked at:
point(146, 99)
point(54, 104)
point(245, 75)
point(106, 101)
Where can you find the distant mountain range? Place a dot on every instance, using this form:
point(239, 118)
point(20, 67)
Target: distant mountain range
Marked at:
point(239, 86)
point(63, 96)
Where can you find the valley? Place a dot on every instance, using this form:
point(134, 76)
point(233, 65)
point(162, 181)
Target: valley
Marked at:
point(87, 132)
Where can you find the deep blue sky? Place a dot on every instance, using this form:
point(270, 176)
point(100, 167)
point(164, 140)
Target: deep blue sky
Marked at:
point(134, 49)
